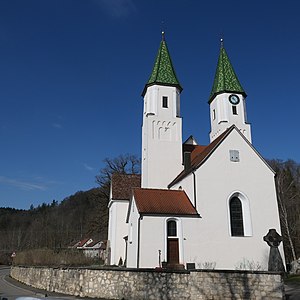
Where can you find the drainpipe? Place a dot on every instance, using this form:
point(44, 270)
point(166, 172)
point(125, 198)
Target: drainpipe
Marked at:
point(195, 189)
point(138, 242)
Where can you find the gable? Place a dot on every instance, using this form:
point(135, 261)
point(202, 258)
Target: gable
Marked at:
point(201, 155)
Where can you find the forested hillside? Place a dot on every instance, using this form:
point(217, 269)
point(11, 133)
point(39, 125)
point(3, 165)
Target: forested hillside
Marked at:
point(55, 225)
point(85, 214)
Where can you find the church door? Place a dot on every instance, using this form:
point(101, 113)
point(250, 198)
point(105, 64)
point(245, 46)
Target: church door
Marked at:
point(172, 243)
point(173, 251)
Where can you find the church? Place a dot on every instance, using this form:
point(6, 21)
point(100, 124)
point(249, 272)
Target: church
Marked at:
point(194, 206)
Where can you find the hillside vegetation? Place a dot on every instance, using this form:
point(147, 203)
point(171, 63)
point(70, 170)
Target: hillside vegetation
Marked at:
point(56, 225)
point(85, 214)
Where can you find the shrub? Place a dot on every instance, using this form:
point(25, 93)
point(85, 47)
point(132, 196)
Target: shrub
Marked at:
point(5, 258)
point(47, 257)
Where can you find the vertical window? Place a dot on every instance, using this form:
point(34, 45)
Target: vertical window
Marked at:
point(172, 228)
point(214, 114)
point(165, 102)
point(130, 233)
point(234, 110)
point(236, 217)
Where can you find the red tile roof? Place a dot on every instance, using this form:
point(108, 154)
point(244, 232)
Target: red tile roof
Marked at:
point(163, 202)
point(83, 242)
point(122, 185)
point(197, 150)
point(200, 154)
point(92, 244)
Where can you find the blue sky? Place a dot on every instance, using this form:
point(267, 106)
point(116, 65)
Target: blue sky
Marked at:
point(72, 73)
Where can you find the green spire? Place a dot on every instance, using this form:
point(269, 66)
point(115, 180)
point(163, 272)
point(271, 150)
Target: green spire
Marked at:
point(163, 72)
point(225, 78)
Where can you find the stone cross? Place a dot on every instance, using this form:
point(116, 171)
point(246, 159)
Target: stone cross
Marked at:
point(274, 239)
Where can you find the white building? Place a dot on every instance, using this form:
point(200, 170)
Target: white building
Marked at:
point(206, 205)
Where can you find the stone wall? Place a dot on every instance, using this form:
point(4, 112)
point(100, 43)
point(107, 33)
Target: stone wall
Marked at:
point(153, 284)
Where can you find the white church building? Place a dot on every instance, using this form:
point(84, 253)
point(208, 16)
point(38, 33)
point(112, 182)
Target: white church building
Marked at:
point(201, 205)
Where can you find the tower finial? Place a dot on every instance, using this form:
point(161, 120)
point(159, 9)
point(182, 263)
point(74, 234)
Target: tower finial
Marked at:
point(162, 31)
point(222, 38)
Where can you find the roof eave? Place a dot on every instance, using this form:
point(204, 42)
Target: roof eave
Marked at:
point(149, 214)
point(177, 85)
point(214, 95)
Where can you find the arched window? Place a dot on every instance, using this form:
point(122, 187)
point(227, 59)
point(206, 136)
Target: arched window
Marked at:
point(236, 217)
point(171, 228)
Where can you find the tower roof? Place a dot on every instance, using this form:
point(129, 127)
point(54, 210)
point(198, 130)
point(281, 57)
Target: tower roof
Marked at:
point(225, 78)
point(163, 72)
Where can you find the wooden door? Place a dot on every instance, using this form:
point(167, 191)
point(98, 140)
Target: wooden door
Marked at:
point(173, 251)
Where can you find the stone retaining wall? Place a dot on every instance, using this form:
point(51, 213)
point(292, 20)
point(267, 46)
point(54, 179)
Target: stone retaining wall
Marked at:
point(151, 284)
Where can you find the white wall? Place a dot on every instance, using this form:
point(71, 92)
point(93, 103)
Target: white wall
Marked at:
point(117, 229)
point(224, 117)
point(161, 137)
point(217, 180)
point(132, 247)
point(153, 237)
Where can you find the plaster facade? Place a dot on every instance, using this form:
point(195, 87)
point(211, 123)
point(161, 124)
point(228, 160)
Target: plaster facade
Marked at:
point(222, 116)
point(117, 230)
point(161, 136)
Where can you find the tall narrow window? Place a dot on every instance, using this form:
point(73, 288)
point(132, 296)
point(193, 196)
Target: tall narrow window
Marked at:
point(165, 101)
point(172, 230)
point(214, 114)
point(236, 217)
point(130, 234)
point(234, 110)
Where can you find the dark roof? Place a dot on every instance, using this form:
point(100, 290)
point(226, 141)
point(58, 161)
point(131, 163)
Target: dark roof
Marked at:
point(190, 141)
point(200, 154)
point(163, 202)
point(83, 242)
point(122, 185)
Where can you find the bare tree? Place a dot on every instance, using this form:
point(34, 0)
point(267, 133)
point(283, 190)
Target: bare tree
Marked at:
point(123, 164)
point(288, 194)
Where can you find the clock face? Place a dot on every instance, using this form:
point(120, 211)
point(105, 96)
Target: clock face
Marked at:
point(234, 99)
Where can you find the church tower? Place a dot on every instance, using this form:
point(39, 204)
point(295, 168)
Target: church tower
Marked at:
point(162, 128)
point(227, 100)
